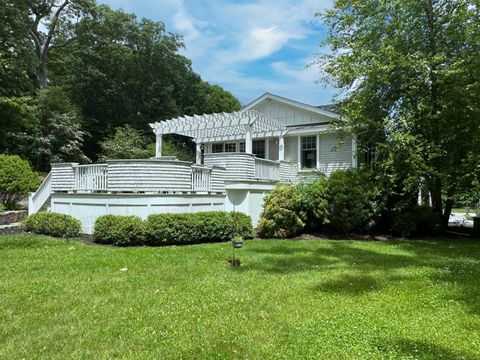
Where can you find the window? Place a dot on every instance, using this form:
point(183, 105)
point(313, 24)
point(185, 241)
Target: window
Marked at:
point(230, 147)
point(217, 147)
point(242, 147)
point(258, 148)
point(308, 152)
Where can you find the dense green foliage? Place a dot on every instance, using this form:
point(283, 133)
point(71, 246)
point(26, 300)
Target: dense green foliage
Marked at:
point(350, 201)
point(282, 214)
point(126, 143)
point(119, 230)
point(108, 69)
point(16, 180)
point(347, 202)
point(55, 133)
point(409, 76)
point(54, 224)
point(314, 204)
point(290, 299)
point(172, 229)
point(419, 220)
point(242, 225)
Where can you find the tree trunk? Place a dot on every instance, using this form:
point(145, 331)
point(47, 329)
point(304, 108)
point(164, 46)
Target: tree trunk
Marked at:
point(42, 76)
point(446, 213)
point(436, 193)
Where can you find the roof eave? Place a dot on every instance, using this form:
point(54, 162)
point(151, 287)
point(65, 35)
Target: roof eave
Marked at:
point(290, 102)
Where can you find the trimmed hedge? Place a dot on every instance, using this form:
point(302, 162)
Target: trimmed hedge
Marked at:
point(171, 229)
point(119, 230)
point(54, 224)
point(242, 225)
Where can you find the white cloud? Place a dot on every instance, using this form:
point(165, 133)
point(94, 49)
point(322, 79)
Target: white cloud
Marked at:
point(224, 39)
point(262, 42)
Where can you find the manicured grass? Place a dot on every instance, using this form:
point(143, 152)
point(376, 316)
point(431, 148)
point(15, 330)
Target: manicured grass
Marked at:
point(290, 299)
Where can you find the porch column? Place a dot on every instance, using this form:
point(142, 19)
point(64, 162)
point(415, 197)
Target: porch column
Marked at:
point(158, 145)
point(354, 151)
point(248, 140)
point(281, 148)
point(198, 153)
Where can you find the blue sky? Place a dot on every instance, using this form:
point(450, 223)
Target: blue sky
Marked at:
point(247, 47)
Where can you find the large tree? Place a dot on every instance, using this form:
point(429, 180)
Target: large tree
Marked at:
point(123, 70)
point(409, 77)
point(53, 25)
point(16, 55)
point(55, 134)
point(116, 70)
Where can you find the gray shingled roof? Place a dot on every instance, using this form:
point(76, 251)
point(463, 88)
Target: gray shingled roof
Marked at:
point(334, 108)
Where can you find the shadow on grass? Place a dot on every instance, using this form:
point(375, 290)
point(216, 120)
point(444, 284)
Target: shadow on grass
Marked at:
point(288, 257)
point(455, 263)
point(411, 349)
point(351, 285)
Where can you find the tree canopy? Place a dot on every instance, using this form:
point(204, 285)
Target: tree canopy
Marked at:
point(113, 68)
point(409, 78)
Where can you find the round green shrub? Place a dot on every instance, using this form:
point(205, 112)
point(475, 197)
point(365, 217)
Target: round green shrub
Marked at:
point(282, 213)
point(349, 195)
point(54, 224)
point(16, 180)
point(314, 203)
point(119, 230)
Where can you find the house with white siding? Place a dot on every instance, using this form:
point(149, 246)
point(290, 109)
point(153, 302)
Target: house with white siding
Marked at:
point(240, 157)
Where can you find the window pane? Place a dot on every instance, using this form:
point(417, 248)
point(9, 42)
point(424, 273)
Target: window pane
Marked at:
point(230, 147)
point(258, 148)
point(242, 147)
point(309, 142)
point(309, 159)
point(309, 152)
point(217, 147)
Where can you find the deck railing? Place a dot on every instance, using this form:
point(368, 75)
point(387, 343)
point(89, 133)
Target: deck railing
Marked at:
point(241, 166)
point(145, 176)
point(266, 169)
point(37, 199)
point(91, 177)
point(201, 178)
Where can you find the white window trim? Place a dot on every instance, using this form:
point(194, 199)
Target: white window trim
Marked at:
point(300, 151)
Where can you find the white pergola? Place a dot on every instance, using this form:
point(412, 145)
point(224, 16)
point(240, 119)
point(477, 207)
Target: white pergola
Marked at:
point(221, 127)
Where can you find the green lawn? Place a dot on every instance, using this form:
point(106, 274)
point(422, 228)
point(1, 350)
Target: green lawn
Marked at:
point(290, 299)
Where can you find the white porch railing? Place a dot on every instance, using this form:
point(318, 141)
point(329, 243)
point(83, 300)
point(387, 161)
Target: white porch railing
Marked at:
point(37, 199)
point(201, 178)
point(266, 169)
point(91, 177)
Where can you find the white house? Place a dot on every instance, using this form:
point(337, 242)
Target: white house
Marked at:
point(240, 157)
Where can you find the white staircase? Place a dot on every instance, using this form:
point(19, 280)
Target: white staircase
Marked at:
point(39, 198)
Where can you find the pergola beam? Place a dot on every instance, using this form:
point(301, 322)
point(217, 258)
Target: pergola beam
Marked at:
point(219, 126)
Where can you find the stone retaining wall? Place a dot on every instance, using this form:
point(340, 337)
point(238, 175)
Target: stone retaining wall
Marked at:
point(11, 217)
